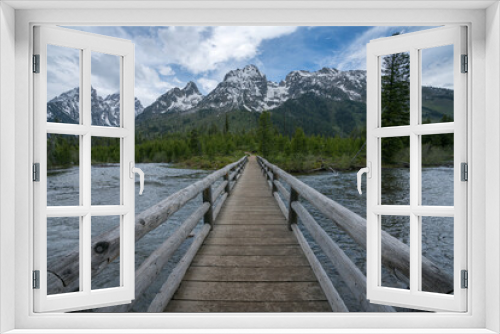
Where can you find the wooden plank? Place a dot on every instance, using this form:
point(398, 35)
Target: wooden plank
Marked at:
point(250, 241)
point(258, 202)
point(245, 250)
point(250, 234)
point(252, 216)
point(250, 291)
point(257, 210)
point(241, 228)
point(251, 221)
point(287, 274)
point(258, 261)
point(237, 306)
point(250, 260)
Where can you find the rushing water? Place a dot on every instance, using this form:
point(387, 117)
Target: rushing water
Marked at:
point(162, 181)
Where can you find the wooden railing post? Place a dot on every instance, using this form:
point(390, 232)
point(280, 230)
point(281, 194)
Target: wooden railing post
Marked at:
point(207, 197)
point(227, 189)
point(275, 178)
point(292, 215)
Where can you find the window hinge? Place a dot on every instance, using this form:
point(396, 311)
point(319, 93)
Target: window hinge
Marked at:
point(464, 171)
point(36, 279)
point(36, 172)
point(36, 63)
point(465, 64)
point(465, 279)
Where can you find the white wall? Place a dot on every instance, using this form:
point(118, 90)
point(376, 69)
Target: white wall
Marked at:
point(7, 160)
point(492, 164)
point(242, 17)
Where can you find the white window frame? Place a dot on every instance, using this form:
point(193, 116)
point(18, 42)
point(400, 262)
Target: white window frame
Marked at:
point(85, 43)
point(482, 316)
point(414, 43)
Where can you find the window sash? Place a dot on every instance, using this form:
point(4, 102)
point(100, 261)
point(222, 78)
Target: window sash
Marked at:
point(85, 298)
point(414, 298)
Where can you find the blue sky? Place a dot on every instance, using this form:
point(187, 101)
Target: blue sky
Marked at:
point(168, 57)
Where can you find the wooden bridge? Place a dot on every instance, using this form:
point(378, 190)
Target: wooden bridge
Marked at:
point(250, 255)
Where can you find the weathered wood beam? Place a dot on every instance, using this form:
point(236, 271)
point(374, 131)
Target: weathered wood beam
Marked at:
point(281, 204)
point(65, 273)
point(334, 299)
point(395, 255)
point(219, 190)
point(151, 268)
point(292, 215)
point(168, 288)
point(208, 218)
point(219, 206)
point(351, 275)
point(281, 188)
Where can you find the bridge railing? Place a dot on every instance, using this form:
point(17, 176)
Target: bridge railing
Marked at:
point(64, 275)
point(396, 255)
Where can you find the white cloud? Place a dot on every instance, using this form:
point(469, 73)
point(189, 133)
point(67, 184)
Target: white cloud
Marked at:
point(166, 70)
point(105, 75)
point(353, 55)
point(148, 85)
point(207, 84)
point(63, 70)
point(202, 49)
point(437, 67)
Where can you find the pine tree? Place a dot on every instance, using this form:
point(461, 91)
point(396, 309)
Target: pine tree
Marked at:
point(194, 142)
point(395, 102)
point(299, 142)
point(265, 133)
point(226, 125)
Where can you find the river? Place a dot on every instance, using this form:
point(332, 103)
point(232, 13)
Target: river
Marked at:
point(161, 181)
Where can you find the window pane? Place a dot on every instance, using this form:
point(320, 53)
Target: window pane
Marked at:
point(105, 89)
point(105, 171)
point(395, 173)
point(399, 228)
point(63, 238)
point(109, 276)
point(437, 84)
point(437, 245)
point(63, 170)
point(395, 92)
point(437, 170)
point(63, 84)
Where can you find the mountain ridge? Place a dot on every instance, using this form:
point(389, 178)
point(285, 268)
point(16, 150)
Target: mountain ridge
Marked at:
point(248, 89)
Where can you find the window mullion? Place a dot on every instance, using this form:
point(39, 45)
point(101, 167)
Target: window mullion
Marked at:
point(414, 171)
point(85, 251)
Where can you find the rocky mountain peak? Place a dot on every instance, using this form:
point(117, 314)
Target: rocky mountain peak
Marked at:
point(176, 100)
point(247, 73)
point(105, 111)
point(248, 88)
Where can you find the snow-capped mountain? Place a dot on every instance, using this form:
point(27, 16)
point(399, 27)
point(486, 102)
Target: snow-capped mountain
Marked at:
point(176, 100)
point(248, 89)
point(244, 89)
point(105, 111)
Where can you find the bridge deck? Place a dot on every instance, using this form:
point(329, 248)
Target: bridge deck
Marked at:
point(250, 261)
